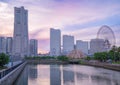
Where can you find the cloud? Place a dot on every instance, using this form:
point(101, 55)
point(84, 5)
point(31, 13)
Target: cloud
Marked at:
point(6, 20)
point(43, 46)
point(76, 17)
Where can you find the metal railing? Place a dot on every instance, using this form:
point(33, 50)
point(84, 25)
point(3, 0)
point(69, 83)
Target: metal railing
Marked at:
point(7, 71)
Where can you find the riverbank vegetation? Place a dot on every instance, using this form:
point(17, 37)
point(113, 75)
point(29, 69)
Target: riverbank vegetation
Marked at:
point(60, 58)
point(39, 58)
point(63, 58)
point(111, 56)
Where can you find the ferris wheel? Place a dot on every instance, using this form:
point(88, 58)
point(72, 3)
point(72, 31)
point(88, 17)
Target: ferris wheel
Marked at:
point(107, 34)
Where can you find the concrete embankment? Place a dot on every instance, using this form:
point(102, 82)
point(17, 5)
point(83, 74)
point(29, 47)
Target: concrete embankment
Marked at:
point(115, 67)
point(11, 77)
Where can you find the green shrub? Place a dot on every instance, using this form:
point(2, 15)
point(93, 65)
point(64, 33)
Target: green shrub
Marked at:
point(88, 58)
point(4, 59)
point(62, 58)
point(102, 56)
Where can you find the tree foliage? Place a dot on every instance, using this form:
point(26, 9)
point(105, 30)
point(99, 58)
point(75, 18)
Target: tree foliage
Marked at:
point(102, 56)
point(62, 58)
point(88, 58)
point(113, 54)
point(4, 59)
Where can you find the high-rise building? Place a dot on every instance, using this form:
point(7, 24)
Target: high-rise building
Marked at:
point(82, 46)
point(2, 45)
point(68, 44)
point(9, 43)
point(97, 45)
point(20, 37)
point(33, 47)
point(55, 42)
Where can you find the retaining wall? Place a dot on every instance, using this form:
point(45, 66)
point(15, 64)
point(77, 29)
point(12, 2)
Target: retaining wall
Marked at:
point(11, 77)
point(104, 65)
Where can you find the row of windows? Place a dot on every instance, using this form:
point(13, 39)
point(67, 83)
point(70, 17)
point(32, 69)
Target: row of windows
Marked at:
point(19, 11)
point(18, 22)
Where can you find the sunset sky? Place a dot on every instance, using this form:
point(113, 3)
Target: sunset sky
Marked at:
point(81, 18)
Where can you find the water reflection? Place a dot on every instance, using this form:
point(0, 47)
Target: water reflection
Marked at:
point(33, 71)
point(55, 75)
point(67, 75)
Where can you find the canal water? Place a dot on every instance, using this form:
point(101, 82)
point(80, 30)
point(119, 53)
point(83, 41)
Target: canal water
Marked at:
point(67, 75)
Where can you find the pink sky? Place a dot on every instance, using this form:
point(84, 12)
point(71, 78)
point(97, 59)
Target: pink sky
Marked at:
point(80, 18)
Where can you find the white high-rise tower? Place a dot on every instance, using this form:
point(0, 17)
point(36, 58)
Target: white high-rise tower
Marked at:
point(55, 42)
point(68, 44)
point(20, 38)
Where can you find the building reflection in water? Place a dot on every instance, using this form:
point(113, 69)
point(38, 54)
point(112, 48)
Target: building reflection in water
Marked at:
point(43, 76)
point(55, 75)
point(33, 71)
point(67, 75)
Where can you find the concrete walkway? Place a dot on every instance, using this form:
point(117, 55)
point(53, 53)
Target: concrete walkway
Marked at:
point(11, 77)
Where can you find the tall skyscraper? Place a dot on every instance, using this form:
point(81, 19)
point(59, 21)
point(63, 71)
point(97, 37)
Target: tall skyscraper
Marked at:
point(96, 45)
point(9, 43)
point(82, 46)
point(55, 42)
point(20, 37)
point(2, 45)
point(68, 44)
point(33, 47)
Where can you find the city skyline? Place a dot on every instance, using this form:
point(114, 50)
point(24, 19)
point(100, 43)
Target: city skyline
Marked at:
point(73, 17)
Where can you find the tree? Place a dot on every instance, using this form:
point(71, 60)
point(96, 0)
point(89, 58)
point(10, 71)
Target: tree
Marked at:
point(4, 59)
point(119, 57)
point(62, 58)
point(88, 58)
point(102, 56)
point(118, 49)
point(111, 54)
point(97, 56)
point(114, 48)
point(114, 53)
point(119, 53)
